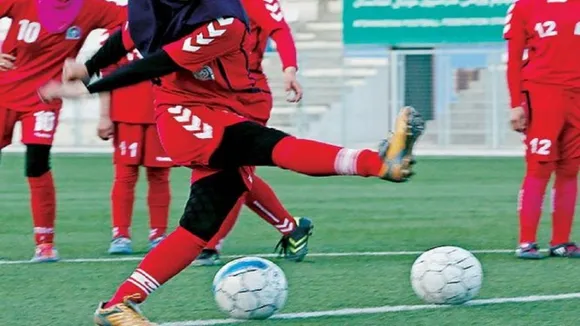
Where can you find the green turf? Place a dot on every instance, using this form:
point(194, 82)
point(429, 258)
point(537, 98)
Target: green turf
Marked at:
point(466, 202)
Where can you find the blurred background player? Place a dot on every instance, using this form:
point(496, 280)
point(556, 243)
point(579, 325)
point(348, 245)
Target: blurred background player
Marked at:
point(42, 35)
point(127, 116)
point(198, 126)
point(545, 101)
point(267, 21)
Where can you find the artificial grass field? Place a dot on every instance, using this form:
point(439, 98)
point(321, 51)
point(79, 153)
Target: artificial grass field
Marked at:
point(467, 202)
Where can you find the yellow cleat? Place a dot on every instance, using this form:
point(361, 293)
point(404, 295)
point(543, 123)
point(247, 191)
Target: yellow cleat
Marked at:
point(126, 313)
point(397, 150)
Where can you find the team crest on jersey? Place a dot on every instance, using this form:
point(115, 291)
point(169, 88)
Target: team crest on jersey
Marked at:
point(204, 74)
point(73, 33)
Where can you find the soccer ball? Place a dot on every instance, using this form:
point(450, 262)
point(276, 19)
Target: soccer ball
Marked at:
point(446, 275)
point(250, 288)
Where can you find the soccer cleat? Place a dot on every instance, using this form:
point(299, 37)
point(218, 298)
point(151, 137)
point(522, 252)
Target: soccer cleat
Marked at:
point(568, 250)
point(126, 313)
point(397, 150)
point(528, 251)
point(45, 253)
point(120, 246)
point(208, 257)
point(154, 242)
point(294, 246)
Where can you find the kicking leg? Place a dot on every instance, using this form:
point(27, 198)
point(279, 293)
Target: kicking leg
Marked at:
point(42, 201)
point(211, 200)
point(158, 199)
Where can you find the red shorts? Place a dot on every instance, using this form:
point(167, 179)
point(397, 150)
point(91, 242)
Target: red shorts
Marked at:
point(258, 106)
point(38, 127)
point(190, 135)
point(138, 144)
point(553, 131)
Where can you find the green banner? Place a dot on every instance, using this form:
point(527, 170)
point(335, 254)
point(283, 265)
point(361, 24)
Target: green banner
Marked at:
point(414, 22)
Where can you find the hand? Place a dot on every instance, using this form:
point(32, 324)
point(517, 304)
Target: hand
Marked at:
point(292, 86)
point(6, 62)
point(73, 70)
point(54, 90)
point(105, 128)
point(518, 119)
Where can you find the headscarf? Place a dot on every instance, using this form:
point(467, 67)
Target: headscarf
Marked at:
point(56, 16)
point(154, 23)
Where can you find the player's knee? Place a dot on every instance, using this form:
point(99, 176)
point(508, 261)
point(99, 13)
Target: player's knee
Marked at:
point(37, 160)
point(568, 168)
point(540, 170)
point(157, 175)
point(246, 144)
point(210, 201)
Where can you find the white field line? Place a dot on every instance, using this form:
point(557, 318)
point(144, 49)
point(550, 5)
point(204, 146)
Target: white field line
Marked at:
point(319, 254)
point(383, 309)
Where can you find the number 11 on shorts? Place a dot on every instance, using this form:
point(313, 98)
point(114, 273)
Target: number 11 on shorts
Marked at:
point(132, 149)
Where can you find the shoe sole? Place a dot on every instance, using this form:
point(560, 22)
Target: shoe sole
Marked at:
point(45, 260)
point(120, 252)
point(398, 158)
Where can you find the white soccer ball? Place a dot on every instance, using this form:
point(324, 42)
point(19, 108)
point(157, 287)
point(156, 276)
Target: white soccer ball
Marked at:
point(250, 288)
point(446, 275)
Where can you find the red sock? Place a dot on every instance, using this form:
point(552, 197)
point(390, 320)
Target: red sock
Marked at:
point(320, 159)
point(263, 201)
point(43, 207)
point(123, 198)
point(216, 242)
point(564, 195)
point(531, 199)
point(166, 260)
point(158, 199)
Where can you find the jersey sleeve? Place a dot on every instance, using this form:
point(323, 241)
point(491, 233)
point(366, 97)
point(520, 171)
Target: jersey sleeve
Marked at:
point(108, 15)
point(197, 49)
point(7, 8)
point(515, 34)
point(268, 15)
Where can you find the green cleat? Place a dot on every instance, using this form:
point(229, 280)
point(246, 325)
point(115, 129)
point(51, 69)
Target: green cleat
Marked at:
point(397, 151)
point(294, 246)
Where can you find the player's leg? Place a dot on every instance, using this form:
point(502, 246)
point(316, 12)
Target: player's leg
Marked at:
point(295, 231)
point(158, 166)
point(38, 130)
point(565, 189)
point(127, 157)
point(546, 120)
point(212, 199)
point(210, 256)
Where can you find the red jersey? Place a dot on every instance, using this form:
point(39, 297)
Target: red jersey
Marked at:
point(131, 104)
point(211, 79)
point(267, 21)
point(39, 54)
point(550, 31)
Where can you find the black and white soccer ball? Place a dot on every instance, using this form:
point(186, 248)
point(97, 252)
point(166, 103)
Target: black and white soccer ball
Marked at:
point(446, 275)
point(250, 288)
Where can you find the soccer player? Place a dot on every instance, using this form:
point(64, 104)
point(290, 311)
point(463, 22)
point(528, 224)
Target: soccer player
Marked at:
point(197, 52)
point(136, 143)
point(42, 35)
point(267, 21)
point(545, 101)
